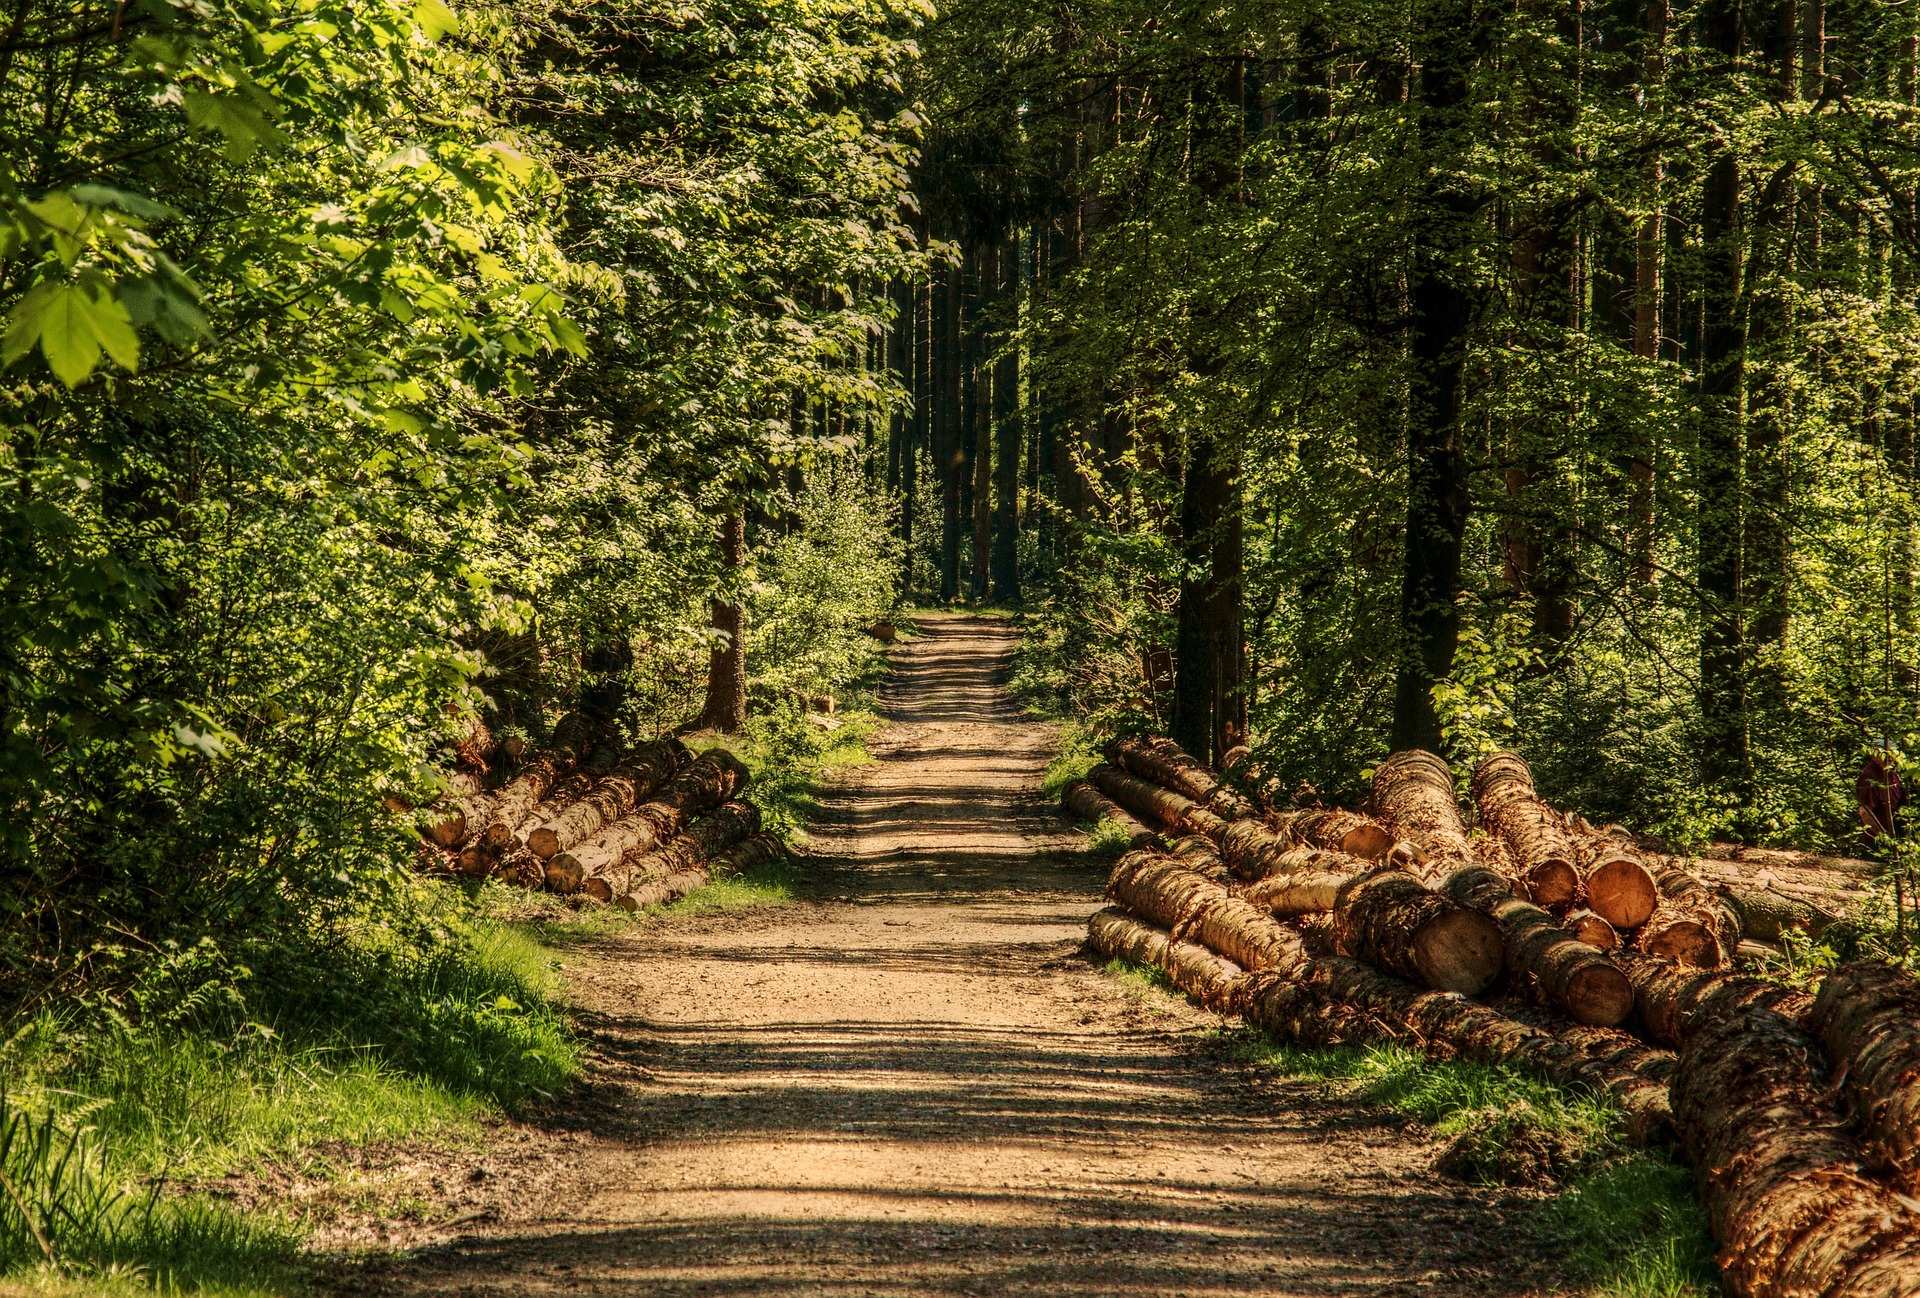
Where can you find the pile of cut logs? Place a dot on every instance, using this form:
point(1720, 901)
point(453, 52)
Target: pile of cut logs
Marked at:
point(635, 827)
point(1542, 942)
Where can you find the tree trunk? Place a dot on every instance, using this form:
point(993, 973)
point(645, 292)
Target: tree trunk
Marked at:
point(1413, 795)
point(726, 706)
point(1007, 436)
point(949, 451)
point(1085, 802)
point(708, 781)
point(1724, 753)
point(1440, 313)
point(1195, 970)
point(1559, 969)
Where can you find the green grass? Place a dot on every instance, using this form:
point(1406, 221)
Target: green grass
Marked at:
point(1622, 1223)
point(1140, 980)
point(272, 1057)
point(1078, 754)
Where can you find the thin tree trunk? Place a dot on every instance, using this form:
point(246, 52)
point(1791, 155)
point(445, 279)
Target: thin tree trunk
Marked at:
point(1724, 756)
point(726, 707)
point(1007, 435)
point(1440, 313)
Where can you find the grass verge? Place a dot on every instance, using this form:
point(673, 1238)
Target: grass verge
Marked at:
point(262, 1059)
point(1622, 1223)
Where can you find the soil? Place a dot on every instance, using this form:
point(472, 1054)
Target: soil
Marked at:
point(910, 1081)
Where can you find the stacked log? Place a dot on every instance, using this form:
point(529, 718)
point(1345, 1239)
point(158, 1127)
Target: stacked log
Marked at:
point(1542, 850)
point(1868, 1016)
point(1084, 801)
point(613, 795)
point(1142, 798)
point(1166, 764)
point(477, 813)
point(703, 838)
point(1195, 970)
point(1797, 1203)
point(1288, 987)
point(1337, 830)
point(1380, 914)
point(1786, 1195)
point(749, 853)
point(1413, 794)
point(1692, 925)
point(708, 781)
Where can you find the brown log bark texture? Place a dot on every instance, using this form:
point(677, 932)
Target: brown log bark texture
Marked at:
point(1693, 925)
point(1147, 801)
point(1557, 968)
point(1543, 852)
point(1786, 1196)
point(1674, 1002)
point(703, 838)
point(750, 852)
point(1340, 831)
point(1170, 766)
point(615, 794)
point(1083, 801)
point(1380, 915)
point(1198, 972)
point(1413, 794)
point(573, 736)
point(1585, 926)
point(1868, 1016)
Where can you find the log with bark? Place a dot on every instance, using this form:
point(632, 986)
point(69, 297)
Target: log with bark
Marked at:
point(1786, 1196)
point(1168, 765)
point(1558, 968)
point(1381, 915)
point(1083, 801)
point(1585, 926)
point(476, 814)
point(1413, 794)
point(1543, 851)
point(749, 853)
point(1693, 925)
point(1208, 978)
point(705, 837)
point(1616, 877)
point(1147, 801)
point(707, 781)
point(1341, 831)
point(1847, 867)
point(614, 794)
point(1674, 1001)
point(1868, 1016)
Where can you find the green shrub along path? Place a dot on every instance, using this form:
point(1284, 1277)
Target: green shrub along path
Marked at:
point(907, 1080)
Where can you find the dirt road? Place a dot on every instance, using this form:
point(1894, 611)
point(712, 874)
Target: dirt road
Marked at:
point(910, 1083)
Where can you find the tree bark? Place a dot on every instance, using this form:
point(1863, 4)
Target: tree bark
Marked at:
point(1440, 313)
point(613, 795)
point(726, 705)
point(1542, 849)
point(1868, 1015)
point(1085, 802)
point(1007, 436)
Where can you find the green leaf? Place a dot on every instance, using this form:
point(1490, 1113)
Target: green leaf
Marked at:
point(435, 19)
point(74, 326)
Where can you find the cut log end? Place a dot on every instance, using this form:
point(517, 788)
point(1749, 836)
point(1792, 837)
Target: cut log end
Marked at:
point(1621, 891)
point(543, 842)
point(1599, 995)
point(1459, 951)
point(1369, 842)
point(1585, 926)
point(1683, 941)
point(1552, 881)
point(597, 888)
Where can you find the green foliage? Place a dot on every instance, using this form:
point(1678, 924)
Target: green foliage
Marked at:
point(1633, 1228)
point(1140, 980)
point(1079, 753)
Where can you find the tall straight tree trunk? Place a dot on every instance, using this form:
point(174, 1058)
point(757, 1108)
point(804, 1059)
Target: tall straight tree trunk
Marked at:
point(1209, 694)
point(950, 456)
point(917, 427)
point(1725, 757)
point(1440, 313)
point(985, 264)
point(1765, 543)
point(1648, 294)
point(726, 706)
point(1007, 434)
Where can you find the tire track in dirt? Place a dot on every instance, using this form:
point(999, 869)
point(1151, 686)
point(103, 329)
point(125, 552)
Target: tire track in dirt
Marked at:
point(910, 1083)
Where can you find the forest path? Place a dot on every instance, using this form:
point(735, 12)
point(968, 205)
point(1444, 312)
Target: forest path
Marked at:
point(910, 1083)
